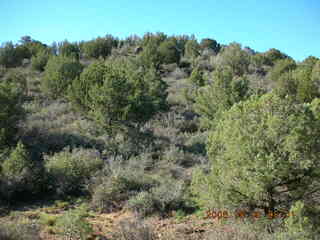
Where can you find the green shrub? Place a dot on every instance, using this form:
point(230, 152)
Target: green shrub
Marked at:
point(259, 148)
point(297, 226)
point(12, 55)
point(197, 78)
point(133, 229)
point(143, 204)
point(70, 50)
point(59, 73)
point(220, 96)
point(169, 195)
point(19, 175)
point(234, 58)
point(114, 190)
point(19, 231)
point(11, 111)
point(17, 162)
point(48, 219)
point(39, 61)
point(169, 51)
point(73, 224)
point(68, 170)
point(99, 47)
point(118, 93)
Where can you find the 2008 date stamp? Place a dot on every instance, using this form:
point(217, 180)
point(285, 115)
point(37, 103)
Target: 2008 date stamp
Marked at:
point(224, 214)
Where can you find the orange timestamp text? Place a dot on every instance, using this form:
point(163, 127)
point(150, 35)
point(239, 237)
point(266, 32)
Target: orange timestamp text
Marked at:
point(224, 214)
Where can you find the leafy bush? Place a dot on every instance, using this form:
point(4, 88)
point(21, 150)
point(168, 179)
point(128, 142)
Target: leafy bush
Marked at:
point(99, 47)
point(220, 96)
point(39, 61)
point(117, 93)
point(11, 111)
point(169, 195)
point(68, 170)
point(18, 231)
point(212, 44)
point(297, 226)
point(169, 52)
point(192, 49)
point(281, 67)
point(178, 156)
point(70, 50)
point(111, 192)
point(143, 204)
point(234, 58)
point(197, 78)
point(73, 224)
point(11, 55)
point(19, 175)
point(133, 229)
point(59, 73)
point(263, 153)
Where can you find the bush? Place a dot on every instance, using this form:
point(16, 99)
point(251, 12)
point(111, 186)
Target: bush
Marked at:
point(18, 231)
point(69, 170)
point(59, 73)
point(132, 230)
point(220, 96)
point(117, 93)
point(67, 49)
point(39, 61)
point(19, 175)
point(259, 148)
point(169, 52)
point(11, 111)
point(168, 196)
point(179, 157)
point(99, 47)
point(143, 204)
point(297, 226)
point(196, 78)
point(73, 224)
point(234, 58)
point(113, 190)
point(11, 55)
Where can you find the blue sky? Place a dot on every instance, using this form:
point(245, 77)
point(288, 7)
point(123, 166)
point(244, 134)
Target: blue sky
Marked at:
point(291, 26)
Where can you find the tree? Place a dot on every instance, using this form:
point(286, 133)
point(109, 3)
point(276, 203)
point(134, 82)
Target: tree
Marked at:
point(315, 75)
point(119, 93)
point(69, 169)
point(307, 88)
point(211, 44)
point(280, 67)
point(310, 61)
point(192, 49)
point(11, 111)
point(218, 97)
point(273, 55)
point(39, 61)
point(68, 49)
point(11, 55)
point(59, 72)
point(150, 57)
point(235, 58)
point(17, 162)
point(264, 154)
point(19, 176)
point(99, 47)
point(294, 81)
point(197, 78)
point(169, 52)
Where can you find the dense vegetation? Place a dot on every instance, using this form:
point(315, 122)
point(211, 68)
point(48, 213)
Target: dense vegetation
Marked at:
point(157, 125)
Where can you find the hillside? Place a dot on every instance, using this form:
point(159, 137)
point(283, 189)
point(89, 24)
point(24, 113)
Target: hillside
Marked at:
point(158, 137)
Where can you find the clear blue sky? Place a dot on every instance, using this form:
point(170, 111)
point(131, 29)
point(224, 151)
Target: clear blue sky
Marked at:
point(292, 26)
